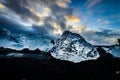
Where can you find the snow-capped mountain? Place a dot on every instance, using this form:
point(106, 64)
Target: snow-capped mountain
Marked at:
point(21, 41)
point(6, 39)
point(72, 47)
point(114, 50)
point(34, 41)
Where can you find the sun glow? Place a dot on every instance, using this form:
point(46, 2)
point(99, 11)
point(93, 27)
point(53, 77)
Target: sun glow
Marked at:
point(1, 6)
point(71, 18)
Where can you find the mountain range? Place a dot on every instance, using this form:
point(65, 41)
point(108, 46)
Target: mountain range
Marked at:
point(70, 46)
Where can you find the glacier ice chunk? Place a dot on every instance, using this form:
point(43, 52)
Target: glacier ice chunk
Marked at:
point(73, 47)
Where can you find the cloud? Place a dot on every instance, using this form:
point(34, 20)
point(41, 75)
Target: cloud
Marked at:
point(17, 7)
point(11, 26)
point(99, 20)
point(77, 29)
point(81, 28)
point(51, 17)
point(102, 21)
point(72, 18)
point(106, 22)
point(91, 3)
point(63, 3)
point(42, 13)
point(101, 37)
point(57, 28)
point(1, 6)
point(110, 40)
point(119, 20)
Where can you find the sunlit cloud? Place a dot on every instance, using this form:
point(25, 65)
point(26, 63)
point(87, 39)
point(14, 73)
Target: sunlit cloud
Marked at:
point(78, 29)
point(81, 28)
point(72, 18)
point(57, 28)
point(40, 15)
point(110, 40)
point(45, 11)
point(1, 6)
point(63, 3)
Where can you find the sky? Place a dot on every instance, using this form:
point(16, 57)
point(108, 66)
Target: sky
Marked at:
point(98, 21)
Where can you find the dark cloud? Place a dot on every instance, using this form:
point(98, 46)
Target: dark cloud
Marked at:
point(41, 29)
point(59, 13)
point(18, 6)
point(5, 23)
point(22, 9)
point(11, 26)
point(56, 10)
point(20, 29)
point(107, 33)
